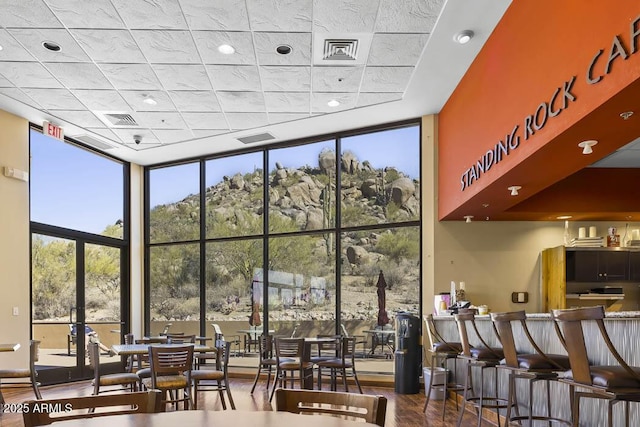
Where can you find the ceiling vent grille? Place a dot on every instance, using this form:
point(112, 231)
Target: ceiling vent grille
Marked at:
point(116, 119)
point(340, 50)
point(93, 142)
point(256, 138)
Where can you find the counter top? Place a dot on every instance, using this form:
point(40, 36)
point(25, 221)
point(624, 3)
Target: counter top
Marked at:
point(609, 315)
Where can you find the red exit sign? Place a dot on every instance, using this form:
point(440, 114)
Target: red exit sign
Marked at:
point(52, 130)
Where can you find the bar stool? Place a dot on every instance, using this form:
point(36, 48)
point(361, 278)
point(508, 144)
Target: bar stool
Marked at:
point(533, 367)
point(480, 357)
point(441, 351)
point(615, 383)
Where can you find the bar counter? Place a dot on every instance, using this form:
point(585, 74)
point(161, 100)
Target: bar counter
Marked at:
point(623, 328)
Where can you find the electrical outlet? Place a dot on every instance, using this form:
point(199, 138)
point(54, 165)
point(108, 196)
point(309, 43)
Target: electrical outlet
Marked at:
point(16, 311)
point(520, 297)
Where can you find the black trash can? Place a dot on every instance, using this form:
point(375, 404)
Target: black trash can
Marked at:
point(407, 354)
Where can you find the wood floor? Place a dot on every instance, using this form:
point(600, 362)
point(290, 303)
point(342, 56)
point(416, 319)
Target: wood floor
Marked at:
point(403, 410)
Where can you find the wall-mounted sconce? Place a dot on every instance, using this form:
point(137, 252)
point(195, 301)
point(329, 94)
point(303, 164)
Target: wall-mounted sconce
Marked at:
point(514, 189)
point(468, 218)
point(586, 146)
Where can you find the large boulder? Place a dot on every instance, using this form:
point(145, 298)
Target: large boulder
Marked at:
point(350, 163)
point(401, 190)
point(369, 188)
point(236, 182)
point(357, 255)
point(303, 195)
point(327, 161)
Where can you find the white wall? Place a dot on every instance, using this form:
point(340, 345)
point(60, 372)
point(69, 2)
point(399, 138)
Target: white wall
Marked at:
point(14, 241)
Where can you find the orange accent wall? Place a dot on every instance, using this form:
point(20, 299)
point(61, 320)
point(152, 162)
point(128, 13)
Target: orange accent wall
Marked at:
point(535, 48)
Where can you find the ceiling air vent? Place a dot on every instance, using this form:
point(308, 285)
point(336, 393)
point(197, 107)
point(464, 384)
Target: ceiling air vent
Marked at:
point(340, 50)
point(256, 138)
point(93, 142)
point(116, 119)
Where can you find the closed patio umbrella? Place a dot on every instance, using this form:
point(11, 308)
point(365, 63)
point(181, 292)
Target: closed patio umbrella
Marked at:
point(383, 319)
point(254, 319)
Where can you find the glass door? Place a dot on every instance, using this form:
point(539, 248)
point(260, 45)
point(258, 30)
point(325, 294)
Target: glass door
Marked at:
point(76, 299)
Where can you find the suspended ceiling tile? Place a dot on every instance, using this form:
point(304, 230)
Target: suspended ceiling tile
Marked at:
point(102, 100)
point(235, 77)
point(286, 117)
point(28, 74)
point(79, 76)
point(286, 79)
point(131, 76)
point(195, 100)
point(205, 120)
point(127, 137)
point(287, 102)
point(78, 118)
point(337, 79)
point(136, 99)
point(154, 14)
point(241, 101)
point(319, 102)
point(171, 136)
point(280, 15)
point(331, 16)
point(203, 133)
point(107, 133)
point(19, 96)
point(266, 44)
point(5, 83)
point(372, 98)
point(247, 120)
point(228, 15)
point(115, 46)
point(386, 79)
point(12, 50)
point(412, 16)
point(55, 99)
point(32, 39)
point(183, 77)
point(27, 13)
point(396, 49)
point(209, 41)
point(86, 14)
point(160, 120)
point(167, 47)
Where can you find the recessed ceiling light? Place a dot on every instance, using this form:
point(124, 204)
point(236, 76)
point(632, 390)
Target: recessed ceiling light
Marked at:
point(625, 115)
point(463, 37)
point(586, 146)
point(333, 103)
point(226, 49)
point(564, 217)
point(148, 99)
point(284, 49)
point(0, 47)
point(52, 46)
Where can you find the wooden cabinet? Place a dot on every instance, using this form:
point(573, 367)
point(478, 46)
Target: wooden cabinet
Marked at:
point(597, 266)
point(571, 274)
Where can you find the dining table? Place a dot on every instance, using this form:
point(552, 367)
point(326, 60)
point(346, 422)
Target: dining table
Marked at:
point(213, 418)
point(381, 338)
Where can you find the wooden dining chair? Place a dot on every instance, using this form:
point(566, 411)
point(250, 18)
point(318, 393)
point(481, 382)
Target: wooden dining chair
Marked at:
point(171, 372)
point(291, 360)
point(143, 370)
point(614, 383)
point(45, 412)
point(9, 376)
point(123, 379)
point(372, 409)
point(214, 379)
point(343, 366)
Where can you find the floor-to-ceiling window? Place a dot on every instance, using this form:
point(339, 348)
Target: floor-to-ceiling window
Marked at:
point(79, 253)
point(301, 238)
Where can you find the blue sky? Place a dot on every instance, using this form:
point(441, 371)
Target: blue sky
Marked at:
point(73, 188)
